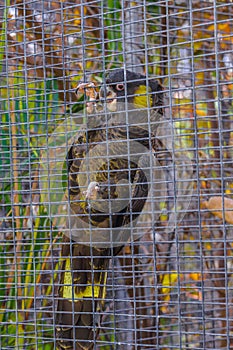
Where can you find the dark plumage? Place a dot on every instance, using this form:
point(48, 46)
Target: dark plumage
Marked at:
point(83, 266)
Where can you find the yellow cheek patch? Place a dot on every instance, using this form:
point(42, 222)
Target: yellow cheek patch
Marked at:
point(142, 100)
point(89, 292)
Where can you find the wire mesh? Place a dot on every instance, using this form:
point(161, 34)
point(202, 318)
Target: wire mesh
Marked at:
point(157, 275)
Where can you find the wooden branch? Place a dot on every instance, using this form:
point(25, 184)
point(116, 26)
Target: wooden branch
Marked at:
point(133, 36)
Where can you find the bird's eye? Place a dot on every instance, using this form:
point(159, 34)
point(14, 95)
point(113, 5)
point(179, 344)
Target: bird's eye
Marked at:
point(120, 87)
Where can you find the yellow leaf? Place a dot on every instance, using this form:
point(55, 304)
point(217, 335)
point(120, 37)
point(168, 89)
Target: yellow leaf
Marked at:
point(203, 184)
point(228, 191)
point(164, 217)
point(168, 281)
point(211, 27)
point(208, 246)
point(224, 27)
point(195, 276)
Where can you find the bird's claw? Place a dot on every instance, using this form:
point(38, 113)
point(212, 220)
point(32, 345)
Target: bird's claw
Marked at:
point(92, 191)
point(91, 92)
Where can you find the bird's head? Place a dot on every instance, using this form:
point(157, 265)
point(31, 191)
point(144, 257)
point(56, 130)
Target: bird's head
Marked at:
point(123, 85)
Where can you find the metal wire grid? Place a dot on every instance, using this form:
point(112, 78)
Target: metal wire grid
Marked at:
point(169, 290)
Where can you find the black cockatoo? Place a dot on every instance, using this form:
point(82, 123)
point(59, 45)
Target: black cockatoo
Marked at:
point(107, 191)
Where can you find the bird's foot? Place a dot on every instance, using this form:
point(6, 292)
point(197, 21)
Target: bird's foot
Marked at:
point(93, 104)
point(92, 191)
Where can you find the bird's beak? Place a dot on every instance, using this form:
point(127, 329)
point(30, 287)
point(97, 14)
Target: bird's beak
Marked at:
point(108, 96)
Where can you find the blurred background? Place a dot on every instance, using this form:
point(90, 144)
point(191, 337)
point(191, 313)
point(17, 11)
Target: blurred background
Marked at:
point(170, 290)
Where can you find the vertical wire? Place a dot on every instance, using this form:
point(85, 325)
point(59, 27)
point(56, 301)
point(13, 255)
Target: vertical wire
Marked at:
point(194, 103)
point(221, 163)
point(124, 5)
point(152, 206)
point(198, 172)
point(14, 192)
point(26, 82)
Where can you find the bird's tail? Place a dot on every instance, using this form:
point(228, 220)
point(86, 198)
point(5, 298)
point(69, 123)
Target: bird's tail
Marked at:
point(82, 290)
